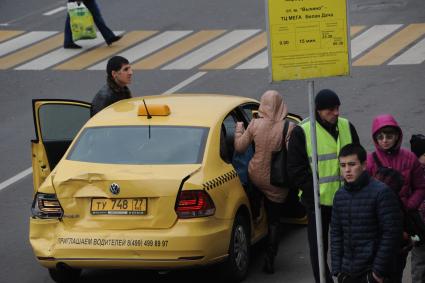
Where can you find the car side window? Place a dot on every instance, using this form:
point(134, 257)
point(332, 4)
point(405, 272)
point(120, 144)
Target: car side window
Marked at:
point(62, 122)
point(59, 124)
point(247, 110)
point(227, 137)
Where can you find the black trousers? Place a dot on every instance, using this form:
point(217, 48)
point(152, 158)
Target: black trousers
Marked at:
point(273, 210)
point(400, 264)
point(326, 212)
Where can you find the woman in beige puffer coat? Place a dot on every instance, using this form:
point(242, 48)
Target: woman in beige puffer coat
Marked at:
point(266, 132)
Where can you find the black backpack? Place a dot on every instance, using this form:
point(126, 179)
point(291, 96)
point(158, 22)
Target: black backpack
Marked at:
point(278, 168)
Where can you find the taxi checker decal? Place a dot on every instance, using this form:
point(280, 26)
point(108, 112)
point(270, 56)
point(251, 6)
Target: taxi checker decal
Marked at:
point(220, 180)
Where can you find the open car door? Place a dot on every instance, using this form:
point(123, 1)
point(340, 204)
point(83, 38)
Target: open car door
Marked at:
point(56, 122)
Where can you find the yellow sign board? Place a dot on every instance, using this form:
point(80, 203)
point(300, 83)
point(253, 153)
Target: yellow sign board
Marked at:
point(307, 39)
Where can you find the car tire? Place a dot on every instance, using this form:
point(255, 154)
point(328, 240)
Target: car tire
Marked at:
point(236, 266)
point(65, 274)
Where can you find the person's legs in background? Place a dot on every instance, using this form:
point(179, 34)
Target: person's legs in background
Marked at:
point(68, 42)
point(400, 264)
point(273, 210)
point(418, 264)
point(326, 213)
point(106, 32)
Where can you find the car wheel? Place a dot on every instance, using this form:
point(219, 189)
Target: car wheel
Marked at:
point(65, 274)
point(236, 266)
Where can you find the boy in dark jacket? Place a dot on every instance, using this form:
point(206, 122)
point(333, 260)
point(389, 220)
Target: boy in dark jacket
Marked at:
point(366, 226)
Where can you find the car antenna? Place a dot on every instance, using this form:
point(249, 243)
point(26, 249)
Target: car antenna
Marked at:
point(147, 111)
point(149, 117)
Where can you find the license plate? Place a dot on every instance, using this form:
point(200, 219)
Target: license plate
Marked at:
point(119, 206)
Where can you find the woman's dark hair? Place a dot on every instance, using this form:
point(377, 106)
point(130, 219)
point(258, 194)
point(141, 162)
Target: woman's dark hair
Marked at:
point(354, 148)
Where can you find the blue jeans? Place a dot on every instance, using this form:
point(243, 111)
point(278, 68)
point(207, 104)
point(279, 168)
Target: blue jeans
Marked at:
point(98, 20)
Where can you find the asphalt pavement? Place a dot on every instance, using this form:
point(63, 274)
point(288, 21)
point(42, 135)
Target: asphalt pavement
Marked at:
point(41, 69)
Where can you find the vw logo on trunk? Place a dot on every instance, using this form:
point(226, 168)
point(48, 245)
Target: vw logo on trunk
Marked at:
point(114, 188)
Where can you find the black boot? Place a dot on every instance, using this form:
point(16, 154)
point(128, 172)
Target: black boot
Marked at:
point(272, 246)
point(72, 45)
point(268, 264)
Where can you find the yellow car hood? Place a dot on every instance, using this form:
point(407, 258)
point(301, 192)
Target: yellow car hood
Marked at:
point(78, 183)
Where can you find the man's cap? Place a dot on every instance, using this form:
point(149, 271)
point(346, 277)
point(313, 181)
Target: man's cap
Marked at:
point(326, 99)
point(417, 144)
point(115, 63)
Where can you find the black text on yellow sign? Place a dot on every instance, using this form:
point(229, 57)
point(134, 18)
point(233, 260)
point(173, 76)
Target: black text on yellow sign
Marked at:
point(131, 206)
point(308, 39)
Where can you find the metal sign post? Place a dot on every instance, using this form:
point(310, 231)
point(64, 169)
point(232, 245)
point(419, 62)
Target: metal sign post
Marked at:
point(317, 211)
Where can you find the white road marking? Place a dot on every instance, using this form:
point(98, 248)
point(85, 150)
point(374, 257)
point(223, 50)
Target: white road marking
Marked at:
point(370, 37)
point(54, 11)
point(260, 61)
point(32, 13)
point(146, 47)
point(414, 55)
point(184, 83)
point(210, 50)
point(360, 44)
point(24, 40)
point(15, 178)
point(61, 54)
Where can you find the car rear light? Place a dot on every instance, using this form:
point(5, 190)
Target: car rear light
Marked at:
point(192, 204)
point(46, 206)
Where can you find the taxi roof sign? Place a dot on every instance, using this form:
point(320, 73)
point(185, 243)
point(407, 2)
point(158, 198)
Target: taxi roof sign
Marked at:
point(154, 110)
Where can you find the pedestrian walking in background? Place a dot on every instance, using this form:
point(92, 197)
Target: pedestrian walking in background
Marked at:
point(417, 143)
point(106, 32)
point(119, 76)
point(366, 225)
point(333, 132)
point(387, 137)
point(267, 134)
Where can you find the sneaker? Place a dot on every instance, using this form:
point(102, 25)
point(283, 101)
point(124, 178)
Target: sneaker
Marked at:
point(72, 46)
point(114, 39)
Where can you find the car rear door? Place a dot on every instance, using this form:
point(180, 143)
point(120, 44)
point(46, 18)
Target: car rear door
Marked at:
point(56, 123)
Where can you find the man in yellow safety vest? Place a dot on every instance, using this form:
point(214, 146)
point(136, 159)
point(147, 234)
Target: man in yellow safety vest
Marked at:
point(333, 132)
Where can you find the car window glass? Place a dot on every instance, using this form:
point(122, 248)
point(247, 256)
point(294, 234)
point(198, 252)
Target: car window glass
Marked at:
point(247, 110)
point(230, 125)
point(62, 122)
point(227, 138)
point(140, 145)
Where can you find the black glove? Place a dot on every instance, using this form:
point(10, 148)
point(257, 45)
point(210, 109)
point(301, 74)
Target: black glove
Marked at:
point(342, 277)
point(370, 278)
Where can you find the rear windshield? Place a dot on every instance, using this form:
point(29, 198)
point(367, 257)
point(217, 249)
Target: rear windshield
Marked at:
point(140, 145)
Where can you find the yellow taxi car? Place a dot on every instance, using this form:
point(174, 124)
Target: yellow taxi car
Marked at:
point(147, 183)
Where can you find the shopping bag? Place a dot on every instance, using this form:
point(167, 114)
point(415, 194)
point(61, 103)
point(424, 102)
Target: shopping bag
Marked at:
point(81, 21)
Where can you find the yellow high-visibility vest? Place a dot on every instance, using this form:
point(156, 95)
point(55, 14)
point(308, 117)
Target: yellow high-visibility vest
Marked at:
point(328, 149)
